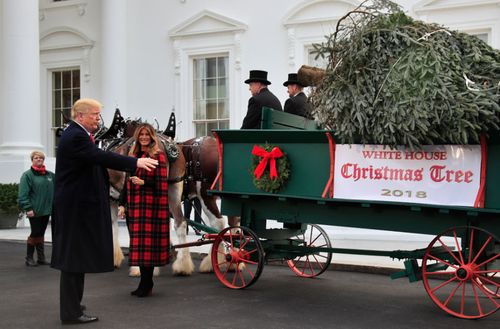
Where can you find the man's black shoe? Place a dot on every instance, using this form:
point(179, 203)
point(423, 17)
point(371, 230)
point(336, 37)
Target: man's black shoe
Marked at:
point(84, 318)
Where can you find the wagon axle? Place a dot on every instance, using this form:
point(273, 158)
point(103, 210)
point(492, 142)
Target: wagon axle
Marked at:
point(465, 273)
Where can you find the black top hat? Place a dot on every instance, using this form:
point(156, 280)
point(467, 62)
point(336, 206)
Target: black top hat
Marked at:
point(258, 76)
point(293, 79)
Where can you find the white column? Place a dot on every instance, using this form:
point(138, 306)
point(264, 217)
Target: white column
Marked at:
point(114, 57)
point(20, 105)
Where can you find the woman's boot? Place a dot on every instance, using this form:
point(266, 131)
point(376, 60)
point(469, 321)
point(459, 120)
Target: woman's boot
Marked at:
point(29, 253)
point(40, 254)
point(147, 282)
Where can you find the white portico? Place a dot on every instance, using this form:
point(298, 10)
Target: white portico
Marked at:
point(20, 86)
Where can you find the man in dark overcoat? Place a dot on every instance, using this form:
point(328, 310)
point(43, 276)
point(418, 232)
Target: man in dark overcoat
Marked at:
point(82, 239)
point(297, 103)
point(261, 96)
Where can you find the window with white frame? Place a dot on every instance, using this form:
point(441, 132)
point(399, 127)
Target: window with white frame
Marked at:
point(482, 36)
point(210, 94)
point(320, 62)
point(65, 91)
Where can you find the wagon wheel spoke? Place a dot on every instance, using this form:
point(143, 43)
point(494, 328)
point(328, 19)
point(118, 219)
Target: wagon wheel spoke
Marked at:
point(486, 293)
point(453, 292)
point(471, 283)
point(445, 284)
point(482, 249)
point(441, 261)
point(238, 258)
point(490, 260)
point(306, 266)
point(311, 264)
point(437, 273)
point(247, 261)
point(450, 252)
point(489, 277)
point(459, 249)
point(471, 243)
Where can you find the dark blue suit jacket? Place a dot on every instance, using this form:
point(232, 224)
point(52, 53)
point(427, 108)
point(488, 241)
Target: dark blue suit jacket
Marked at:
point(298, 105)
point(255, 104)
point(82, 239)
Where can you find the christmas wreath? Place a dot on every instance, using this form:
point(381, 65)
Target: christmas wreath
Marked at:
point(270, 168)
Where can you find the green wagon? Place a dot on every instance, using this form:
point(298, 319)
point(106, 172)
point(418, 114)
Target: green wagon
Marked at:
point(460, 268)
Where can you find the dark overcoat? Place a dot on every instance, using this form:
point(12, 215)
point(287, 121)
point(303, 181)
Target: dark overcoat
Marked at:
point(82, 240)
point(255, 104)
point(298, 105)
point(147, 216)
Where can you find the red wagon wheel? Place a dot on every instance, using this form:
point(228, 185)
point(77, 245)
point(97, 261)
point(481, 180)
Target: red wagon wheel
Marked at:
point(461, 272)
point(494, 291)
point(312, 265)
point(237, 257)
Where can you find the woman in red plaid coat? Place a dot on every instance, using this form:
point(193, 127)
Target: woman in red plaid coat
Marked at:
point(147, 213)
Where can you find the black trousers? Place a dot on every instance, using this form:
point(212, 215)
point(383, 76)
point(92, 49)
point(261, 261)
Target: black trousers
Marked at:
point(71, 294)
point(38, 226)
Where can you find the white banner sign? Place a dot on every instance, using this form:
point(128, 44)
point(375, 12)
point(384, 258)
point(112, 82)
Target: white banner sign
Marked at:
point(438, 174)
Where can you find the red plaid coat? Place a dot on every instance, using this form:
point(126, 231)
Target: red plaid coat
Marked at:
point(147, 218)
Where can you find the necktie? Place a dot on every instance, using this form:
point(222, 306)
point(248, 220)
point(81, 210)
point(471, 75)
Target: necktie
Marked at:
point(92, 138)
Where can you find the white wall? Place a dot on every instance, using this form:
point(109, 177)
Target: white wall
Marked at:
point(270, 42)
point(269, 35)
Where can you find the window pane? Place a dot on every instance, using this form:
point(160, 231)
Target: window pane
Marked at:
point(76, 95)
point(199, 68)
point(222, 64)
point(200, 129)
point(211, 67)
point(76, 79)
point(212, 109)
point(211, 88)
point(211, 126)
point(66, 114)
point(223, 109)
point(222, 88)
point(56, 118)
point(66, 79)
point(200, 112)
point(199, 90)
point(224, 124)
point(56, 80)
point(57, 99)
point(67, 99)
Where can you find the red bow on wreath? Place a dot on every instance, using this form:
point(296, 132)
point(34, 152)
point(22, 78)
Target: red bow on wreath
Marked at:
point(266, 156)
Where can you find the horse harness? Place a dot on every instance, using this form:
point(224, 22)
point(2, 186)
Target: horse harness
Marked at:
point(192, 154)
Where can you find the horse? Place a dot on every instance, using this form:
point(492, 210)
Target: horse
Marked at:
point(192, 172)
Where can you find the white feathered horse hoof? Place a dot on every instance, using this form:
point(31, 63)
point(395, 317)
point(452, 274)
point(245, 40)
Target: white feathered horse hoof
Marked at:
point(183, 266)
point(206, 265)
point(134, 271)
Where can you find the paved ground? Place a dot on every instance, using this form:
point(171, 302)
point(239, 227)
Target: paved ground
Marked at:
point(340, 237)
point(279, 299)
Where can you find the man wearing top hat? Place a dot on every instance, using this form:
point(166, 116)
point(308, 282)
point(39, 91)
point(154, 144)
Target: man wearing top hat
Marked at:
point(297, 103)
point(261, 96)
